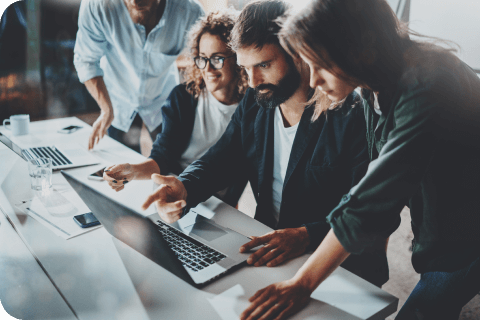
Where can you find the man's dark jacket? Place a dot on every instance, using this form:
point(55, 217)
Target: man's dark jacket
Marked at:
point(328, 157)
point(179, 112)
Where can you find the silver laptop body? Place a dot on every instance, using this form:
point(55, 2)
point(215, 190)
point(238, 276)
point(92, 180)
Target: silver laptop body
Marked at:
point(197, 251)
point(64, 156)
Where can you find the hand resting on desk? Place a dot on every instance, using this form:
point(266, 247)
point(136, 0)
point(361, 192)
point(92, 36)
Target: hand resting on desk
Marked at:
point(100, 127)
point(170, 198)
point(280, 300)
point(279, 246)
point(277, 301)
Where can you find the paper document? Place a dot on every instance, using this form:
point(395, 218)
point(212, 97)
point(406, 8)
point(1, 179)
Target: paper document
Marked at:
point(55, 210)
point(230, 303)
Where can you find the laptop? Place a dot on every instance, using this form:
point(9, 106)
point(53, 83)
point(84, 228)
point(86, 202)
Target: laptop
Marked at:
point(64, 156)
point(197, 253)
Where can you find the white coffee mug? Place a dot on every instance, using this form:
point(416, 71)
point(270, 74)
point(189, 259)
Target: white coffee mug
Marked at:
point(19, 124)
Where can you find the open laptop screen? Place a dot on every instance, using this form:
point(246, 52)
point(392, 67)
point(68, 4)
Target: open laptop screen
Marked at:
point(12, 146)
point(130, 227)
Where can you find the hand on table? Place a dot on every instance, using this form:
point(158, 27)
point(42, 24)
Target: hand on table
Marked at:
point(277, 301)
point(99, 128)
point(279, 245)
point(119, 175)
point(170, 198)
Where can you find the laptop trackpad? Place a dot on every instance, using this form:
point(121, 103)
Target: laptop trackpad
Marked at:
point(207, 231)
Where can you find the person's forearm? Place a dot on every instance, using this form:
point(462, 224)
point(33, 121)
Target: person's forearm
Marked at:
point(98, 90)
point(328, 256)
point(144, 170)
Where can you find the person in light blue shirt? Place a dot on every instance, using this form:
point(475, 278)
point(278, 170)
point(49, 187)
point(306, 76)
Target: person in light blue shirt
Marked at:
point(125, 53)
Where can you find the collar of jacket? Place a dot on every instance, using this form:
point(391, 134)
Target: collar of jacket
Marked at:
point(264, 136)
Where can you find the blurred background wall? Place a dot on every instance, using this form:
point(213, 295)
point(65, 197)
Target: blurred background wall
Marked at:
point(37, 37)
point(37, 75)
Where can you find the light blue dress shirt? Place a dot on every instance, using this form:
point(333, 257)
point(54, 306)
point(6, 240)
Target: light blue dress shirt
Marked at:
point(138, 70)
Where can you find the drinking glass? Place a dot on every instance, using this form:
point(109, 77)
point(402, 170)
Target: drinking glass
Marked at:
point(40, 171)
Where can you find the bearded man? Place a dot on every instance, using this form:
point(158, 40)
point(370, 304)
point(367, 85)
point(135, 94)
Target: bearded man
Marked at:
point(299, 164)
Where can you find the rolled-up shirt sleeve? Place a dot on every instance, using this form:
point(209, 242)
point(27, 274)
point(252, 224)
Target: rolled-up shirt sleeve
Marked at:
point(90, 44)
point(372, 208)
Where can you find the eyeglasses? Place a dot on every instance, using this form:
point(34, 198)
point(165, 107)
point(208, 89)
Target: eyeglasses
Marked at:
point(215, 61)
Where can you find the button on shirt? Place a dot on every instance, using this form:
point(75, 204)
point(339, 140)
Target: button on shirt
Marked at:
point(139, 71)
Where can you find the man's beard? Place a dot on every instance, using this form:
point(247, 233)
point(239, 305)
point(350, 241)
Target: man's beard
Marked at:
point(142, 16)
point(281, 92)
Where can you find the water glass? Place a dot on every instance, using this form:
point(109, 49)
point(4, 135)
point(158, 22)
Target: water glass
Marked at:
point(40, 171)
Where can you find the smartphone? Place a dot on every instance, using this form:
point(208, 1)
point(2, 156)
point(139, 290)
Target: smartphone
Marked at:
point(86, 220)
point(97, 175)
point(69, 129)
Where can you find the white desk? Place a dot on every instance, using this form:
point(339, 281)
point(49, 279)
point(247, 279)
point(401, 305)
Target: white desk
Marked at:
point(101, 278)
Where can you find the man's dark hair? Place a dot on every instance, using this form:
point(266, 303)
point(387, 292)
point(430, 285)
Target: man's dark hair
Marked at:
point(257, 26)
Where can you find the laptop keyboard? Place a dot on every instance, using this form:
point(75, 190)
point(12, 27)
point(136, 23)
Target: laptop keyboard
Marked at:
point(192, 253)
point(58, 158)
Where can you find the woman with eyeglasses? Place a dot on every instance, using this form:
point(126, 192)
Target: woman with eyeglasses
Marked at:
point(198, 111)
point(423, 129)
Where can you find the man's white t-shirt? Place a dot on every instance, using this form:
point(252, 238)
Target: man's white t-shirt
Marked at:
point(211, 119)
point(283, 142)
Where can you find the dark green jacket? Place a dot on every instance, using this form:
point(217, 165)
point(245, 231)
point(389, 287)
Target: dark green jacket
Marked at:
point(427, 141)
